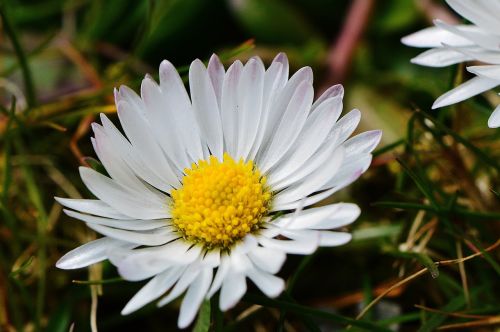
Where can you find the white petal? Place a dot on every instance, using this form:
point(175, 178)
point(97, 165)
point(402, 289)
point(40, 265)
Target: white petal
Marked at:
point(266, 259)
point(211, 258)
point(128, 95)
point(492, 71)
point(478, 53)
point(248, 243)
point(282, 59)
point(291, 246)
point(131, 157)
point(324, 217)
point(184, 282)
point(352, 175)
point(333, 239)
point(440, 57)
point(251, 89)
point(319, 160)
point(318, 125)
point(479, 37)
point(205, 107)
point(273, 83)
point(344, 127)
point(324, 238)
point(153, 289)
point(193, 298)
point(494, 120)
point(216, 73)
point(363, 143)
point(233, 289)
point(127, 224)
point(113, 163)
point(278, 106)
point(435, 37)
point(143, 263)
point(165, 107)
point(88, 254)
point(334, 91)
point(154, 237)
point(353, 166)
point(290, 125)
point(177, 115)
point(269, 284)
point(240, 263)
point(222, 271)
point(92, 206)
point(139, 134)
point(313, 182)
point(230, 105)
point(121, 199)
point(481, 13)
point(472, 87)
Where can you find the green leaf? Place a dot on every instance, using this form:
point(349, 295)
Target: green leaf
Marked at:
point(303, 310)
point(203, 322)
point(24, 266)
point(95, 165)
point(388, 147)
point(422, 184)
point(60, 320)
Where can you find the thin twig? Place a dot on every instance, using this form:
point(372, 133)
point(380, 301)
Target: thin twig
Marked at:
point(488, 321)
point(452, 314)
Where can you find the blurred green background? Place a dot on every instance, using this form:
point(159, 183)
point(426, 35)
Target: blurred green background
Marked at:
point(61, 60)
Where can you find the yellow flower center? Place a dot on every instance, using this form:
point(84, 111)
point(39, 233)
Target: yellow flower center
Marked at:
point(220, 202)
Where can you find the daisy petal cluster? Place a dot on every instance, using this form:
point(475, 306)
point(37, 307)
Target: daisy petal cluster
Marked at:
point(210, 189)
point(451, 44)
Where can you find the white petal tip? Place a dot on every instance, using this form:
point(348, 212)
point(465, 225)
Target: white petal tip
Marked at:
point(281, 57)
point(406, 40)
point(214, 58)
point(278, 290)
point(63, 264)
point(376, 135)
point(441, 102)
point(198, 63)
point(182, 325)
point(494, 120)
point(165, 63)
point(356, 211)
point(128, 310)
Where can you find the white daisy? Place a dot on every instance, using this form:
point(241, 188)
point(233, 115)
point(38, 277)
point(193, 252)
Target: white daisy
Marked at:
point(203, 190)
point(451, 44)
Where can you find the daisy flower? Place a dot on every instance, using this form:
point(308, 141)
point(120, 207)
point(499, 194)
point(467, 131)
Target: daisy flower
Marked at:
point(451, 44)
point(208, 189)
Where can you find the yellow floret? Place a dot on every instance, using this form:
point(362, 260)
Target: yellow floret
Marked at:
point(220, 202)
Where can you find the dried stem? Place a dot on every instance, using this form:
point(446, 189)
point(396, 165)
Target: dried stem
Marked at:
point(418, 274)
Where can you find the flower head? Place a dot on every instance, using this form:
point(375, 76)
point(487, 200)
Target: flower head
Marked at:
point(451, 44)
point(208, 189)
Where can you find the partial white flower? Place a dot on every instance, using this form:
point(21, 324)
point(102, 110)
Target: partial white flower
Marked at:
point(207, 190)
point(451, 44)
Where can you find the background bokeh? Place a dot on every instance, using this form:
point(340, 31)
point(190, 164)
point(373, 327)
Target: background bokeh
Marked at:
point(430, 195)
